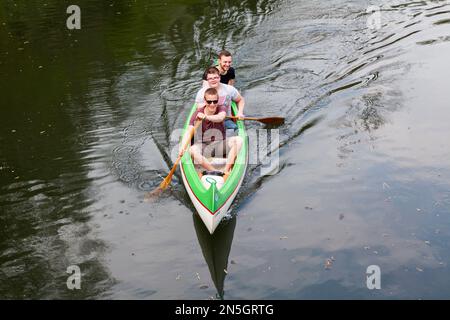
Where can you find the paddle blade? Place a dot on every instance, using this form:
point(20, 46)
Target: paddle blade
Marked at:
point(276, 121)
point(157, 192)
point(153, 195)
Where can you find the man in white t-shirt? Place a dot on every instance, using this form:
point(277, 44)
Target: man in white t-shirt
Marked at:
point(227, 94)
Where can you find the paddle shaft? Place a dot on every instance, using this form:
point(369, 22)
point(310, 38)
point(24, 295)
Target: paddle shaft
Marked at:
point(167, 180)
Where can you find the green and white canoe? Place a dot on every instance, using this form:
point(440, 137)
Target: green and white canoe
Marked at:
point(210, 195)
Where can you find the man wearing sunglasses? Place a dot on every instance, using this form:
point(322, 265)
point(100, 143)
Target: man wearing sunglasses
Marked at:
point(211, 139)
point(227, 94)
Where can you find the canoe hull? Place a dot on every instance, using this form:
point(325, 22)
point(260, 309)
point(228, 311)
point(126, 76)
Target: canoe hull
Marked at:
point(213, 203)
point(211, 220)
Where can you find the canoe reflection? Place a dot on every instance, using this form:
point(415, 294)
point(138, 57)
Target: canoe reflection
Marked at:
point(216, 248)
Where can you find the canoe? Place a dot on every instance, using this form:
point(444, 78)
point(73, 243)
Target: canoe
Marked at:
point(211, 196)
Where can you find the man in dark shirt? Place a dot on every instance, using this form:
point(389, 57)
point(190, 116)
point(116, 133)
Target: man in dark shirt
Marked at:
point(227, 73)
point(213, 140)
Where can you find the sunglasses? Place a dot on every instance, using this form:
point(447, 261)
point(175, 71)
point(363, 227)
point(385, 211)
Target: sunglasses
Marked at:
point(212, 101)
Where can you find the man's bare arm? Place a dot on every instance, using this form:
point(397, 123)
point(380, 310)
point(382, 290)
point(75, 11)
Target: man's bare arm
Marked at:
point(217, 118)
point(241, 104)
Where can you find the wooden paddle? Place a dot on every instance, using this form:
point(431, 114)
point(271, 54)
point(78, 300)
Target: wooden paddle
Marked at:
point(268, 120)
point(166, 182)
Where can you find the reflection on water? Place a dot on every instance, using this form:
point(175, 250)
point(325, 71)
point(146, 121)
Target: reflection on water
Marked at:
point(85, 130)
point(216, 249)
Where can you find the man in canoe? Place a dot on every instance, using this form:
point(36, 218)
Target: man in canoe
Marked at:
point(226, 71)
point(213, 139)
point(227, 94)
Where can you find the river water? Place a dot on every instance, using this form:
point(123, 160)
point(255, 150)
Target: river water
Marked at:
point(363, 167)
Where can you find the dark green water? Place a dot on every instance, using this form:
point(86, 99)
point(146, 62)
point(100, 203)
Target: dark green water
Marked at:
point(85, 130)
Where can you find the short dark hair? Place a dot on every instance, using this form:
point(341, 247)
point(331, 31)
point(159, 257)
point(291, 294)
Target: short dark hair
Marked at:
point(224, 53)
point(211, 92)
point(211, 70)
